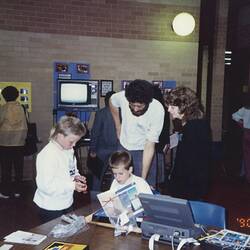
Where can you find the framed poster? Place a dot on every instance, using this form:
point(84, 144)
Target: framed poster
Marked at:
point(106, 86)
point(62, 67)
point(157, 83)
point(124, 83)
point(82, 68)
point(24, 89)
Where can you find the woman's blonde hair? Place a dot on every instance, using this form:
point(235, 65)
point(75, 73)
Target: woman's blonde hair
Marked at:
point(68, 125)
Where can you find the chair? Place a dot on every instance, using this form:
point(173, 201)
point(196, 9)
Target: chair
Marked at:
point(208, 214)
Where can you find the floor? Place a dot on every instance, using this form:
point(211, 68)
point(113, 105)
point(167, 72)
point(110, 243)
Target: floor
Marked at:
point(229, 191)
point(21, 213)
point(233, 193)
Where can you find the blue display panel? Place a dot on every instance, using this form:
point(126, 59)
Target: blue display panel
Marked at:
point(165, 84)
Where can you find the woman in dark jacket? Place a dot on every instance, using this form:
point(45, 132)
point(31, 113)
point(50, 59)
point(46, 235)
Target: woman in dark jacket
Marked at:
point(190, 175)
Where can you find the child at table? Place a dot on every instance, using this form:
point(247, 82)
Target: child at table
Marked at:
point(122, 168)
point(57, 175)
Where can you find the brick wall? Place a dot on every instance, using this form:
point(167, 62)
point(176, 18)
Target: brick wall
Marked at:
point(101, 18)
point(28, 56)
point(120, 45)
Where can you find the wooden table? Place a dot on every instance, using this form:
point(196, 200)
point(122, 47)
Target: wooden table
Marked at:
point(97, 237)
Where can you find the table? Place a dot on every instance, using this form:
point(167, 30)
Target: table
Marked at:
point(97, 237)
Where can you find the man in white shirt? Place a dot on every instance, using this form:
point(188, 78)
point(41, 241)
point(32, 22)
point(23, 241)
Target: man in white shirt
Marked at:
point(242, 117)
point(141, 123)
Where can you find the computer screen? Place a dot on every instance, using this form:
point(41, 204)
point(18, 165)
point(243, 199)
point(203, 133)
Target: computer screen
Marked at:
point(167, 210)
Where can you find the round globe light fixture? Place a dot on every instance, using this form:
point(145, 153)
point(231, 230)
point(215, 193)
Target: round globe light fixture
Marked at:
point(183, 24)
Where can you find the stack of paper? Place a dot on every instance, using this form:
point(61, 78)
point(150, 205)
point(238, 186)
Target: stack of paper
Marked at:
point(23, 237)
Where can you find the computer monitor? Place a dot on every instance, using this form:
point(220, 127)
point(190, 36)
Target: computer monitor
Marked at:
point(168, 216)
point(167, 210)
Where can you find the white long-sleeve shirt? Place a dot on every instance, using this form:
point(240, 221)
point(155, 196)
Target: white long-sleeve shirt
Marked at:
point(141, 185)
point(56, 169)
point(244, 115)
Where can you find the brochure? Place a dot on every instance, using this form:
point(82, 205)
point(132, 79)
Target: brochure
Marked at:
point(228, 239)
point(66, 246)
point(23, 237)
point(123, 204)
point(174, 140)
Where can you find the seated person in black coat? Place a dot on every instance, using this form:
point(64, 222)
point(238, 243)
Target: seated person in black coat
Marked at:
point(190, 175)
point(103, 139)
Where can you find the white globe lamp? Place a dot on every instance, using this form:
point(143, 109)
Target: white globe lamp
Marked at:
point(183, 24)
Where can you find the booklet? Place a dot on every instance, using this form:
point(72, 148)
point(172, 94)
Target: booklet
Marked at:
point(23, 237)
point(66, 246)
point(174, 139)
point(6, 247)
point(228, 239)
point(123, 204)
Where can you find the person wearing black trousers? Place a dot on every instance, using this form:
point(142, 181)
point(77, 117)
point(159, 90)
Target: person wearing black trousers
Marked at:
point(13, 131)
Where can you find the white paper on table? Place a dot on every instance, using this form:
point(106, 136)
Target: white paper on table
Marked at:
point(174, 139)
point(6, 247)
point(25, 238)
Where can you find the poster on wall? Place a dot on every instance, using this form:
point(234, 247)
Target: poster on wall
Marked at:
point(157, 83)
point(106, 86)
point(62, 67)
point(24, 89)
point(82, 68)
point(168, 85)
point(124, 83)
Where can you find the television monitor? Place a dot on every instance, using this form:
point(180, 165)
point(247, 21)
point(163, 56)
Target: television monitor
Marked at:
point(168, 216)
point(78, 95)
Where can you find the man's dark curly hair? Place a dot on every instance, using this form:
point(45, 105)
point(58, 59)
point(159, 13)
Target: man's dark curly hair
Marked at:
point(187, 102)
point(140, 91)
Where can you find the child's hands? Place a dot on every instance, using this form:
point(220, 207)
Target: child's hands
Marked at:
point(80, 184)
point(80, 178)
point(80, 187)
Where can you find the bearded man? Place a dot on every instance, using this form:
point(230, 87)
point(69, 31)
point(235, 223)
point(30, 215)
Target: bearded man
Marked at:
point(138, 120)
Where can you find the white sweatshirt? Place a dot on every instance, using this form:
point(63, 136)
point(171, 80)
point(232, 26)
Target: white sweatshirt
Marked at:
point(56, 169)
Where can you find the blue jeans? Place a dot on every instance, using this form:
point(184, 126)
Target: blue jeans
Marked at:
point(137, 164)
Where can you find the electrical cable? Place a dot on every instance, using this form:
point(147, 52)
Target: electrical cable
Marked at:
point(187, 240)
point(172, 242)
point(153, 238)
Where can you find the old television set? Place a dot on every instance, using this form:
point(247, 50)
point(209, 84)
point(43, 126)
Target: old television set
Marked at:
point(82, 95)
point(170, 217)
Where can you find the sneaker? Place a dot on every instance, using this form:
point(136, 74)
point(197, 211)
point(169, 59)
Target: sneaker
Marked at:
point(16, 195)
point(4, 196)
